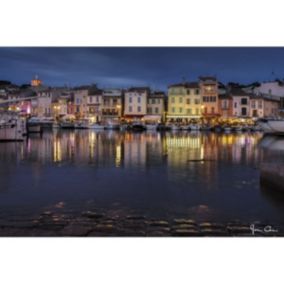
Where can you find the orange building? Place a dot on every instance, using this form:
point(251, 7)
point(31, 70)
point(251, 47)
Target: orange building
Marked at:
point(209, 93)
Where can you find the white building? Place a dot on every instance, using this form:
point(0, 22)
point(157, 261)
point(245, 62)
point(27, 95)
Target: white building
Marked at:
point(241, 103)
point(275, 88)
point(80, 102)
point(42, 106)
point(135, 103)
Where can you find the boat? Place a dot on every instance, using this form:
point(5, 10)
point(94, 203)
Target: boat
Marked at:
point(34, 128)
point(174, 127)
point(96, 126)
point(272, 126)
point(110, 125)
point(227, 129)
point(151, 127)
point(194, 127)
point(184, 127)
point(137, 126)
point(81, 124)
point(66, 125)
point(237, 128)
point(205, 127)
point(11, 129)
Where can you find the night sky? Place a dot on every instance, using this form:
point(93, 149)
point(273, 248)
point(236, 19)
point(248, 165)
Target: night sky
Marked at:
point(123, 67)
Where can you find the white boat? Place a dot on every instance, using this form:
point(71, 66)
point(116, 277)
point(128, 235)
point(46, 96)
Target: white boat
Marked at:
point(81, 124)
point(173, 127)
point(11, 129)
point(272, 126)
point(194, 127)
point(66, 125)
point(151, 126)
point(96, 126)
point(112, 126)
point(227, 129)
point(184, 127)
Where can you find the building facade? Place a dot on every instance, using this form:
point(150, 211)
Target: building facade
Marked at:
point(112, 105)
point(155, 107)
point(184, 102)
point(209, 94)
point(135, 103)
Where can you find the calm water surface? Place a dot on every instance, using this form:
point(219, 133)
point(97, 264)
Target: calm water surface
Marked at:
point(206, 176)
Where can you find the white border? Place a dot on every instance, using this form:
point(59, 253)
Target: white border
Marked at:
point(141, 23)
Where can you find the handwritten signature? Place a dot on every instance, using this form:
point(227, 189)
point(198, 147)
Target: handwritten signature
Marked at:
point(267, 229)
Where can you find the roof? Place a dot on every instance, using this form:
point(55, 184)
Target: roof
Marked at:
point(139, 89)
point(157, 95)
point(188, 85)
point(238, 92)
point(207, 78)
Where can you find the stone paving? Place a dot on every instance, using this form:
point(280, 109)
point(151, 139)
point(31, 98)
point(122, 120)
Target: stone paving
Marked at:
point(97, 223)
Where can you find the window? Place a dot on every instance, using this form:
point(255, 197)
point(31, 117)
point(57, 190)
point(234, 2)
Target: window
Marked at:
point(180, 109)
point(78, 101)
point(188, 101)
point(156, 110)
point(139, 100)
point(253, 104)
point(188, 92)
point(235, 104)
point(91, 99)
point(196, 91)
point(130, 99)
point(197, 111)
point(196, 101)
point(173, 100)
point(130, 109)
point(173, 109)
point(149, 110)
point(244, 111)
point(189, 111)
point(97, 99)
point(180, 99)
point(139, 108)
point(244, 101)
point(212, 110)
point(260, 104)
point(153, 101)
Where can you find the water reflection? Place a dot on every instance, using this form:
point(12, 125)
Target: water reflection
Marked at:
point(163, 172)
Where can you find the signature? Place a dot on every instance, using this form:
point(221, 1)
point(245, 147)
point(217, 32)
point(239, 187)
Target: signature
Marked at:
point(267, 229)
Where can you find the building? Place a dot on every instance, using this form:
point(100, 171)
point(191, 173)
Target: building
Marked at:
point(241, 102)
point(209, 94)
point(135, 103)
point(112, 105)
point(264, 106)
point(41, 107)
point(184, 102)
point(81, 102)
point(156, 103)
point(36, 82)
point(226, 105)
point(94, 104)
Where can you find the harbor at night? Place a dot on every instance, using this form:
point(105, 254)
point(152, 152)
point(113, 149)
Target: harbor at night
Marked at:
point(112, 183)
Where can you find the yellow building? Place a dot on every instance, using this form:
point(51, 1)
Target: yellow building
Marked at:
point(184, 102)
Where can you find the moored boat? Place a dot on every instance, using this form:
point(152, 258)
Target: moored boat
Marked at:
point(272, 126)
point(96, 126)
point(11, 129)
point(151, 127)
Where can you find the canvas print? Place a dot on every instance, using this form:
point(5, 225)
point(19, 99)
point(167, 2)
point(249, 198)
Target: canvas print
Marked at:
point(143, 142)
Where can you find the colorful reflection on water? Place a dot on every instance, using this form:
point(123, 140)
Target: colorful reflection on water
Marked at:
point(201, 175)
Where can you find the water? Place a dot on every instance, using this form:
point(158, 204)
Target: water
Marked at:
point(206, 176)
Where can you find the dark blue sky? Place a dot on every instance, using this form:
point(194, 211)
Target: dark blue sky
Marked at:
point(122, 67)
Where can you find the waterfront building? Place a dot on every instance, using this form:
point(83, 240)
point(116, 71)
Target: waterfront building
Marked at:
point(94, 104)
point(135, 103)
point(81, 102)
point(241, 102)
point(209, 94)
point(225, 105)
point(184, 102)
point(41, 107)
point(112, 105)
point(264, 106)
point(156, 107)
